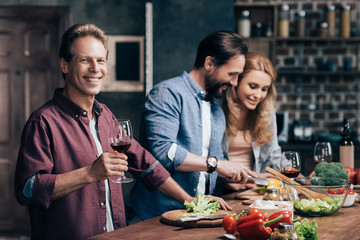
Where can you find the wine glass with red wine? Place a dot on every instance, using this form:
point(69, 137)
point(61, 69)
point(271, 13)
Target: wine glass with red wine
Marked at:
point(120, 138)
point(290, 164)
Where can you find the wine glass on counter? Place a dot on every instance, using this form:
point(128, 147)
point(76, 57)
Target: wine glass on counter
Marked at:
point(323, 152)
point(120, 138)
point(290, 164)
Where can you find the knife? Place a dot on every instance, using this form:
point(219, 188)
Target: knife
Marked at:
point(259, 181)
point(197, 218)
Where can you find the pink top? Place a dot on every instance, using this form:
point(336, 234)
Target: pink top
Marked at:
point(240, 148)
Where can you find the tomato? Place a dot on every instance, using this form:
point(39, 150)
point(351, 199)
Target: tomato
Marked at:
point(331, 191)
point(340, 191)
point(351, 174)
point(336, 191)
point(351, 192)
point(357, 174)
point(229, 224)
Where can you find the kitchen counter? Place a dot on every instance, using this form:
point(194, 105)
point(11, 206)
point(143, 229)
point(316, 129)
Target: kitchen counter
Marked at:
point(343, 224)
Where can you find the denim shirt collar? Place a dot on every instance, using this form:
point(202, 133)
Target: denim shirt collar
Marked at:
point(194, 87)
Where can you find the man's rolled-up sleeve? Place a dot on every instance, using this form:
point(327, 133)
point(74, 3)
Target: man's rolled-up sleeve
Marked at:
point(145, 167)
point(35, 158)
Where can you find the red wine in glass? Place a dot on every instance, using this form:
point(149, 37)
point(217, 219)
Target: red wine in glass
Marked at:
point(121, 147)
point(292, 173)
point(290, 164)
point(120, 137)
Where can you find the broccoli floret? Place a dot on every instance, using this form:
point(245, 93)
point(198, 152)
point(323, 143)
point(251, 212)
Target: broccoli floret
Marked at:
point(332, 169)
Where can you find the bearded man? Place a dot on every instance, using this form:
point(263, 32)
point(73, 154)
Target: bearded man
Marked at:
point(182, 125)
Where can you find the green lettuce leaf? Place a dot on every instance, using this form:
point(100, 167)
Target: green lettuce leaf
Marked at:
point(202, 206)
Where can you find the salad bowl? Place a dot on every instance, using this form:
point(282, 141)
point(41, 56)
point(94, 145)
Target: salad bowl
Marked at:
point(334, 190)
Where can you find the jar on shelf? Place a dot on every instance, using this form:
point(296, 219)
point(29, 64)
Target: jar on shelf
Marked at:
point(347, 64)
point(323, 29)
point(300, 23)
point(269, 30)
point(330, 19)
point(244, 24)
point(258, 29)
point(345, 21)
point(284, 21)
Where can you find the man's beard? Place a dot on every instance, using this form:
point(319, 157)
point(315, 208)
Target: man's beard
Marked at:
point(212, 87)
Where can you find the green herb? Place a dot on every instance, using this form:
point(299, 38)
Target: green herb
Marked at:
point(202, 206)
point(326, 206)
point(306, 230)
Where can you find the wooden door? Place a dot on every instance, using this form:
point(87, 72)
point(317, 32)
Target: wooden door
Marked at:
point(29, 72)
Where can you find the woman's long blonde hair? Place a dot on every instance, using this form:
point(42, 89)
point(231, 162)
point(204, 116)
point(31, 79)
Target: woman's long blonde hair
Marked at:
point(258, 120)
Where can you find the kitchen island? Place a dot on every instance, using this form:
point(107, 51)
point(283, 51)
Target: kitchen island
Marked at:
point(343, 224)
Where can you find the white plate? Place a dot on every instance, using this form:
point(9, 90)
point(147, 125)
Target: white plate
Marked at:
point(229, 236)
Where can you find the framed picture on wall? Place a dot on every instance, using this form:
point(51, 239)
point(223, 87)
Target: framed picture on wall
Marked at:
point(125, 64)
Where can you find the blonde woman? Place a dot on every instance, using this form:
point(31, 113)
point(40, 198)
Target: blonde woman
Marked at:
point(251, 134)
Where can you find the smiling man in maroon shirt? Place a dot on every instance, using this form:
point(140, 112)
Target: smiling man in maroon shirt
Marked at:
point(65, 164)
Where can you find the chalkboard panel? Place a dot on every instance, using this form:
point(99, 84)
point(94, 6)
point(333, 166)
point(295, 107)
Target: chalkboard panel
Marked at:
point(125, 64)
point(127, 61)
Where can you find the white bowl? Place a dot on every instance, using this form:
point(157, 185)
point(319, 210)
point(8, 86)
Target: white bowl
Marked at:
point(350, 200)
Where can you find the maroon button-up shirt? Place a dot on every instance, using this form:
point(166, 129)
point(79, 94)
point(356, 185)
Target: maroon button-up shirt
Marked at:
point(57, 139)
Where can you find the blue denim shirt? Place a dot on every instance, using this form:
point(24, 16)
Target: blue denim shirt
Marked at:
point(172, 114)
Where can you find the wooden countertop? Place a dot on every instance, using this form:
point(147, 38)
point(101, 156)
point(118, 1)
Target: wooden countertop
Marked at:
point(344, 224)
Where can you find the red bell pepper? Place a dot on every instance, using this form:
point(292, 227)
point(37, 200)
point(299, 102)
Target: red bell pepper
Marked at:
point(254, 210)
point(255, 228)
point(286, 218)
point(252, 217)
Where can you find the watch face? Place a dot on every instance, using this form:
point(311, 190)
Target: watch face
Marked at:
point(212, 161)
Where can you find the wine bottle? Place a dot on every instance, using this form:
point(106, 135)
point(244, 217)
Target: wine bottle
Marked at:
point(346, 145)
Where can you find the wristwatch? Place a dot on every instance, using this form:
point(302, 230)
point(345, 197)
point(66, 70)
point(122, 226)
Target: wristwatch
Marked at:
point(212, 163)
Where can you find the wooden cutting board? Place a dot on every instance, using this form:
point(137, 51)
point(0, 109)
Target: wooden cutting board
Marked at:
point(248, 196)
point(171, 217)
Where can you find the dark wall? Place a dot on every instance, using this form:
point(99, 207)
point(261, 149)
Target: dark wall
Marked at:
point(179, 25)
point(116, 17)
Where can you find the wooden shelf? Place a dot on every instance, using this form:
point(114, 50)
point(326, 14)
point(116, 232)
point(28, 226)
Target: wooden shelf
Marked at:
point(283, 71)
point(304, 39)
point(255, 4)
point(328, 39)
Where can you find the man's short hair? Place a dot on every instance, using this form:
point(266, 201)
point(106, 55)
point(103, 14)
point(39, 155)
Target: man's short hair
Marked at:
point(221, 46)
point(78, 31)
